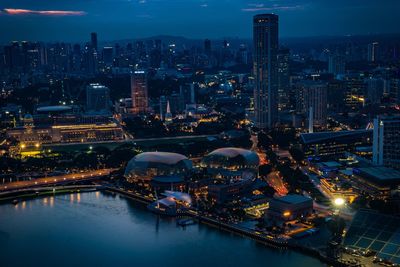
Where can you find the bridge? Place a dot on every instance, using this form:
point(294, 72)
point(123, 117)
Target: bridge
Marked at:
point(56, 180)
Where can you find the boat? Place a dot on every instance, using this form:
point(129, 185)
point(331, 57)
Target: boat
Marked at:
point(15, 201)
point(185, 222)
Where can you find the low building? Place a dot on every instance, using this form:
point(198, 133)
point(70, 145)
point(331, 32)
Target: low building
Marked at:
point(54, 128)
point(234, 171)
point(380, 182)
point(332, 144)
point(289, 207)
point(229, 191)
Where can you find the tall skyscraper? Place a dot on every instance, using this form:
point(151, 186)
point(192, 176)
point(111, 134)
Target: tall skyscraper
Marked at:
point(313, 97)
point(265, 67)
point(386, 142)
point(97, 98)
point(139, 92)
point(93, 40)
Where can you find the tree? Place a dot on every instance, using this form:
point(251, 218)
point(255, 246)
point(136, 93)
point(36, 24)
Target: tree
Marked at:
point(297, 154)
point(264, 169)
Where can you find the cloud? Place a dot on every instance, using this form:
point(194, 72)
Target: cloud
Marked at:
point(15, 11)
point(261, 7)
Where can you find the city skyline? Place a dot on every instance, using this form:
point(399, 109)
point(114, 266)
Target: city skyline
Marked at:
point(61, 21)
point(292, 143)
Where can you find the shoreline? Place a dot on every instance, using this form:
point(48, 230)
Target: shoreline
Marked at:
point(29, 194)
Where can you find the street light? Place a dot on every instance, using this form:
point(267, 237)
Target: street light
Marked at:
point(339, 202)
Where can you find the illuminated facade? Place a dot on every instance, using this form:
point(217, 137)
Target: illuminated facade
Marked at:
point(139, 92)
point(290, 207)
point(265, 67)
point(332, 144)
point(231, 163)
point(386, 144)
point(313, 97)
point(158, 168)
point(66, 128)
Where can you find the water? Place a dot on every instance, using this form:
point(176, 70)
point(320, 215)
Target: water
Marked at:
point(98, 229)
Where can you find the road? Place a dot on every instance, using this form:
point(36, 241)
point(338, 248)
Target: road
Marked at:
point(55, 180)
point(129, 141)
point(275, 181)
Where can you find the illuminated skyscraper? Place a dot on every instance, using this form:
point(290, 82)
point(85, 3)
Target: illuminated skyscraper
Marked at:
point(139, 92)
point(265, 67)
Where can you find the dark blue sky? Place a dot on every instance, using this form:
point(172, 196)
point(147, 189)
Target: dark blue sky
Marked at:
point(73, 20)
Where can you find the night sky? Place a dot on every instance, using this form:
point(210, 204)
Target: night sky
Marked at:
point(73, 20)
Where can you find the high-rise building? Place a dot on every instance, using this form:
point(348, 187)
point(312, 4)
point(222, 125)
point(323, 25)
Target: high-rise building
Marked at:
point(108, 55)
point(97, 98)
point(386, 142)
point(372, 53)
point(283, 78)
point(265, 67)
point(336, 64)
point(93, 40)
point(139, 92)
point(375, 89)
point(313, 102)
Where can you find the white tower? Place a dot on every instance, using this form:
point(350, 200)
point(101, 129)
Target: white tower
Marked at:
point(311, 121)
point(168, 114)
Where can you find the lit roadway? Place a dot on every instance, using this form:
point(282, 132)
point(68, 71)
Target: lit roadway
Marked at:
point(130, 140)
point(275, 181)
point(55, 180)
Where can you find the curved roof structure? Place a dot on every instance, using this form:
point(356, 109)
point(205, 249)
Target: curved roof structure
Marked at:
point(312, 138)
point(178, 195)
point(232, 152)
point(160, 157)
point(159, 167)
point(231, 162)
point(53, 108)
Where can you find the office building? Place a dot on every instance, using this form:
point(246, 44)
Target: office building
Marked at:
point(336, 64)
point(333, 144)
point(108, 55)
point(139, 92)
point(372, 53)
point(312, 101)
point(375, 90)
point(386, 142)
point(283, 78)
point(265, 67)
point(97, 98)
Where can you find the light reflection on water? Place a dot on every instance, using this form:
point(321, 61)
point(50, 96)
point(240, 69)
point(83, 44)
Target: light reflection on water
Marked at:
point(100, 229)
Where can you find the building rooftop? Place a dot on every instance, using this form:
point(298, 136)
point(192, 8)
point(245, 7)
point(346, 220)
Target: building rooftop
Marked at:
point(294, 199)
point(331, 164)
point(54, 108)
point(380, 173)
point(310, 138)
point(160, 157)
